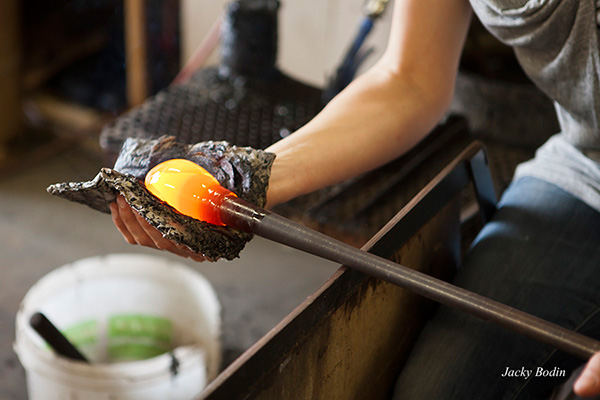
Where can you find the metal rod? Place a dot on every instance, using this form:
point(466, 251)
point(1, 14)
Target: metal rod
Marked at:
point(245, 216)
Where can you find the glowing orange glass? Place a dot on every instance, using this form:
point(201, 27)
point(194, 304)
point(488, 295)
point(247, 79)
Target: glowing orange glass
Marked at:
point(188, 188)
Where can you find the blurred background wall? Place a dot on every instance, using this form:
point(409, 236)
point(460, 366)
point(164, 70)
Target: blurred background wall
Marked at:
point(67, 66)
point(313, 34)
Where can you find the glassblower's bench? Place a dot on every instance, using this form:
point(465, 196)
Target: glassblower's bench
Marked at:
point(348, 340)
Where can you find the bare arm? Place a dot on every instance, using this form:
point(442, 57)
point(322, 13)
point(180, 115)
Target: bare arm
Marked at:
point(379, 116)
point(385, 111)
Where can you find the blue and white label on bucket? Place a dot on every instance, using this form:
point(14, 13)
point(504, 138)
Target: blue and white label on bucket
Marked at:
point(125, 337)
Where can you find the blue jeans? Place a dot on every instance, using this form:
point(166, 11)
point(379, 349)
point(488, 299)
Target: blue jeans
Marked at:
point(540, 254)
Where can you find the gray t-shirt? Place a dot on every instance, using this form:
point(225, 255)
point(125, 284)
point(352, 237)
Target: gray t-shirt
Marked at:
point(557, 43)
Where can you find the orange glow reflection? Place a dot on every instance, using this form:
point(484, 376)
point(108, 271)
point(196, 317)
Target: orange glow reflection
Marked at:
point(188, 188)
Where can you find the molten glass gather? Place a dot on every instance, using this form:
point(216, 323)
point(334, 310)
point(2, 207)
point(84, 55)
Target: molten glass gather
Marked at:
point(188, 188)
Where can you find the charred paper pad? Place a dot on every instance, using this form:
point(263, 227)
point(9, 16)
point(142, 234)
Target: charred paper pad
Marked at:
point(243, 170)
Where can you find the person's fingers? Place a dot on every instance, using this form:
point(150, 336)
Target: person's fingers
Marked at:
point(162, 243)
point(116, 217)
point(588, 383)
point(136, 230)
point(187, 252)
point(199, 257)
point(159, 241)
point(129, 219)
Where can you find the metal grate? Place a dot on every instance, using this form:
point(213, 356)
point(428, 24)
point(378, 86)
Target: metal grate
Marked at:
point(243, 111)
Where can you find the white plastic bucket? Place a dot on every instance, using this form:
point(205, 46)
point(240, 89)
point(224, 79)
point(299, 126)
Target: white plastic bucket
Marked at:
point(116, 307)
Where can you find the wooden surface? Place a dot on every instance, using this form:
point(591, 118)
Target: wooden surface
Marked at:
point(350, 338)
point(135, 49)
point(10, 87)
point(356, 352)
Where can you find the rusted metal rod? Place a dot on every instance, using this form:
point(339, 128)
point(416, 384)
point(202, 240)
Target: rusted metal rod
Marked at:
point(247, 217)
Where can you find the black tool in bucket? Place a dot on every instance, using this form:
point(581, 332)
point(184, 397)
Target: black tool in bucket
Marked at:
point(55, 339)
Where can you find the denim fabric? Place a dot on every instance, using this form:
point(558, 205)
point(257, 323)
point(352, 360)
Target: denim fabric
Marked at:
point(540, 254)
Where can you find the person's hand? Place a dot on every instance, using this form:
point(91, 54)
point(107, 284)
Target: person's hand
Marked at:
point(588, 383)
point(136, 230)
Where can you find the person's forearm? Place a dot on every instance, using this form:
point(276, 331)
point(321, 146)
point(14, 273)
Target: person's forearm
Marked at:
point(384, 112)
point(376, 119)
